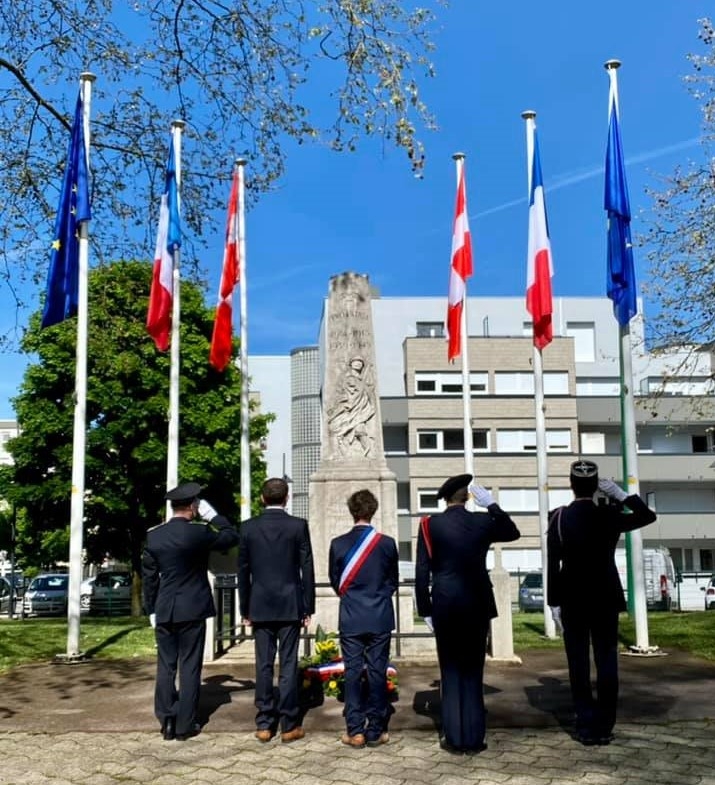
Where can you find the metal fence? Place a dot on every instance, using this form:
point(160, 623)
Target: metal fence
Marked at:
point(230, 632)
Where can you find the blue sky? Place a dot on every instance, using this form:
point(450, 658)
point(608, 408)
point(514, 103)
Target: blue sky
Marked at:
point(367, 212)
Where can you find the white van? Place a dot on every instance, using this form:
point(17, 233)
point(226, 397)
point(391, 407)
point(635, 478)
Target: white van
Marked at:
point(659, 574)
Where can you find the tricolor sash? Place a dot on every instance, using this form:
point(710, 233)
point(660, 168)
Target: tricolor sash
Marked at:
point(357, 556)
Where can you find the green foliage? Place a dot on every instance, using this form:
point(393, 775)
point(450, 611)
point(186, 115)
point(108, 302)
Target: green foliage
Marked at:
point(127, 428)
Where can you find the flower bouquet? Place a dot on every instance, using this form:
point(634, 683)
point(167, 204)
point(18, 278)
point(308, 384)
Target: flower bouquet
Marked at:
point(324, 672)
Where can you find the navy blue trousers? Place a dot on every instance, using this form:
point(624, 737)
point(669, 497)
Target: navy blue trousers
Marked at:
point(366, 709)
point(269, 637)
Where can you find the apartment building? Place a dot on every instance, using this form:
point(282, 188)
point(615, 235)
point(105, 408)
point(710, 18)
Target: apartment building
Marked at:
point(422, 414)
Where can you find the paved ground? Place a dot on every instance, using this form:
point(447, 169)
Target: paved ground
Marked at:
point(92, 723)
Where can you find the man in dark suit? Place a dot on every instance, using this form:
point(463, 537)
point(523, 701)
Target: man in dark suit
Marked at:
point(363, 571)
point(276, 586)
point(178, 599)
point(585, 592)
point(452, 548)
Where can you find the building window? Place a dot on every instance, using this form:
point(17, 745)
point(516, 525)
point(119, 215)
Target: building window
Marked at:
point(525, 441)
point(451, 440)
point(513, 383)
point(519, 499)
point(427, 501)
point(702, 442)
point(706, 560)
point(449, 383)
point(430, 329)
point(584, 337)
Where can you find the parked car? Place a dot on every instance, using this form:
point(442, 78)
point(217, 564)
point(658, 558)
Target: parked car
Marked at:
point(46, 594)
point(710, 595)
point(5, 590)
point(531, 592)
point(107, 592)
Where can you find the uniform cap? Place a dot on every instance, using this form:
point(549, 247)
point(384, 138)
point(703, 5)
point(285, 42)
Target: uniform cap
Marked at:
point(452, 485)
point(584, 469)
point(186, 492)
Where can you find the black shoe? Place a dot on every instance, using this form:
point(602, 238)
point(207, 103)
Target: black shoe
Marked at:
point(447, 747)
point(194, 731)
point(586, 738)
point(168, 729)
point(604, 738)
point(474, 750)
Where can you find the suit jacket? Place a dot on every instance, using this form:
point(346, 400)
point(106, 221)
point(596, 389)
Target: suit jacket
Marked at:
point(458, 565)
point(580, 552)
point(366, 605)
point(174, 567)
point(276, 579)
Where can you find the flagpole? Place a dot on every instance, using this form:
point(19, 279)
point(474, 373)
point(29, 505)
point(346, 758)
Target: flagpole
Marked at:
point(542, 472)
point(243, 286)
point(172, 454)
point(80, 412)
point(464, 348)
point(634, 543)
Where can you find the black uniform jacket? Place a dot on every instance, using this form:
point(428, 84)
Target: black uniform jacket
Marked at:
point(175, 564)
point(276, 579)
point(460, 581)
point(581, 543)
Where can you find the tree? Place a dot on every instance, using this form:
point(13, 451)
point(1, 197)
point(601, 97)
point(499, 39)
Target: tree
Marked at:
point(246, 76)
point(680, 239)
point(127, 404)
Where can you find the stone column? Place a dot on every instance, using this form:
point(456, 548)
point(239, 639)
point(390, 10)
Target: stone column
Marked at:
point(501, 638)
point(352, 453)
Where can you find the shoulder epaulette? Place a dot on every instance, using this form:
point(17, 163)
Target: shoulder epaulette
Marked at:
point(158, 526)
point(199, 522)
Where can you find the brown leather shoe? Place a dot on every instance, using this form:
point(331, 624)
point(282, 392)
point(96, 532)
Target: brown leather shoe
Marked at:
point(357, 741)
point(264, 734)
point(292, 735)
point(383, 738)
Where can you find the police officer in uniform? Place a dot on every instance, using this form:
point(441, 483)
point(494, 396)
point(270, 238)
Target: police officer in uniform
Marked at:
point(585, 592)
point(178, 599)
point(452, 548)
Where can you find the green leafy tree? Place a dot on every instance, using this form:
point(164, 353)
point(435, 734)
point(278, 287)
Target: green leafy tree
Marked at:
point(253, 77)
point(680, 238)
point(127, 405)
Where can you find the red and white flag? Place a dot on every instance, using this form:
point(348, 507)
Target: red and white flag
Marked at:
point(220, 353)
point(539, 263)
point(461, 269)
point(168, 238)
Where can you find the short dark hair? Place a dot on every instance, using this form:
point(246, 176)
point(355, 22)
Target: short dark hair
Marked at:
point(362, 505)
point(460, 496)
point(275, 491)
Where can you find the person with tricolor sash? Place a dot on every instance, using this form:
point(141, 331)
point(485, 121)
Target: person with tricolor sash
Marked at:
point(363, 571)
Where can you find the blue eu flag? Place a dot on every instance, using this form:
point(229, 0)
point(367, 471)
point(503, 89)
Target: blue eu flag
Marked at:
point(621, 283)
point(63, 276)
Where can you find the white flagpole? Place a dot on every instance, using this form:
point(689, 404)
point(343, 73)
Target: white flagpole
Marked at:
point(243, 286)
point(80, 411)
point(172, 455)
point(464, 348)
point(630, 480)
point(542, 471)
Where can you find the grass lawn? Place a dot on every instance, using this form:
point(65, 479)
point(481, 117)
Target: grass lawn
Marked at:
point(40, 639)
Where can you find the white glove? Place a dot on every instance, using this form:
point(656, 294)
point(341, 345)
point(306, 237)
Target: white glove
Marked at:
point(611, 489)
point(428, 622)
point(481, 495)
point(206, 511)
point(152, 620)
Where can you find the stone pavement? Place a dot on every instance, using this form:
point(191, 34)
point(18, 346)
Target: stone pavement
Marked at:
point(93, 723)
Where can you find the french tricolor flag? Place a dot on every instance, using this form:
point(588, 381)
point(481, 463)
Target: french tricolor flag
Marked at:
point(539, 263)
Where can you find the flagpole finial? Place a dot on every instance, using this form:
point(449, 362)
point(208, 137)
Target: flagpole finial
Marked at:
point(241, 161)
point(87, 76)
point(611, 65)
point(458, 156)
point(178, 123)
point(528, 114)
